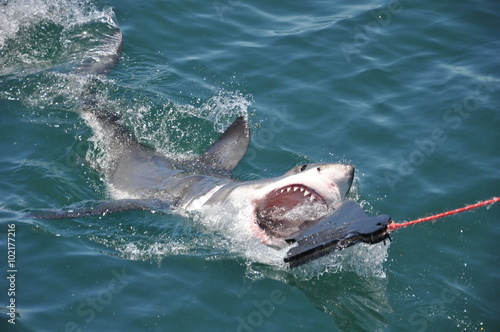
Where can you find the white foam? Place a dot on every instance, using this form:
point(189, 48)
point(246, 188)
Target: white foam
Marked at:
point(156, 251)
point(29, 28)
point(312, 211)
point(365, 260)
point(222, 108)
point(16, 14)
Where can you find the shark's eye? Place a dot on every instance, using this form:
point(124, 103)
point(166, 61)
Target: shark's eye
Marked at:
point(303, 168)
point(319, 169)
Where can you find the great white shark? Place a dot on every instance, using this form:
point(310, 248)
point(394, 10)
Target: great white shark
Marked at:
point(300, 209)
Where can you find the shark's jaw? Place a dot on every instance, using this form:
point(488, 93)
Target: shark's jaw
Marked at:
point(284, 210)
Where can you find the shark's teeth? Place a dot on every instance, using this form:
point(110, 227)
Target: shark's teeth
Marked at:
point(309, 195)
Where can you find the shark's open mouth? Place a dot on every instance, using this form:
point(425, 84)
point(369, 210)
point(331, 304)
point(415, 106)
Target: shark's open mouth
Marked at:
point(288, 209)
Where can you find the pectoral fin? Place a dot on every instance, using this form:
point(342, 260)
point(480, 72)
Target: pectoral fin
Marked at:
point(92, 208)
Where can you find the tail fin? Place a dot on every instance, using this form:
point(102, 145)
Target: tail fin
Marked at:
point(101, 60)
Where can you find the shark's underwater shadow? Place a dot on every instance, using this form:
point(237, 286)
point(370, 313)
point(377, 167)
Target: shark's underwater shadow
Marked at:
point(303, 210)
point(344, 287)
point(356, 303)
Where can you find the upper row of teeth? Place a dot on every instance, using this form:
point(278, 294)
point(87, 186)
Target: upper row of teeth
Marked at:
point(295, 188)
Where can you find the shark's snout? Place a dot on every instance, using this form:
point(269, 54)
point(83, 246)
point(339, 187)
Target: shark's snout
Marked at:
point(343, 176)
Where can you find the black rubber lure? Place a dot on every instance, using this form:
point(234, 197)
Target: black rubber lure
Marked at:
point(348, 225)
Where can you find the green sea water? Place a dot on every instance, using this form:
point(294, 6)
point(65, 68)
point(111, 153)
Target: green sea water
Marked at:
point(407, 91)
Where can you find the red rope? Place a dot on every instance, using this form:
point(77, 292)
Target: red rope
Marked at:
point(395, 226)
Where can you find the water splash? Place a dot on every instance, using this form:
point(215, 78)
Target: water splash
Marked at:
point(223, 108)
point(39, 34)
point(18, 15)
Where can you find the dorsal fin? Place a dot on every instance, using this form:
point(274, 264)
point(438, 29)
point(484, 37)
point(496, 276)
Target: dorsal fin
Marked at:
point(226, 153)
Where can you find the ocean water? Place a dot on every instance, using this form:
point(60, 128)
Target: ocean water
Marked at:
point(407, 91)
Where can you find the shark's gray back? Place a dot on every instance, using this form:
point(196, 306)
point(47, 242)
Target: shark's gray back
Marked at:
point(134, 170)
